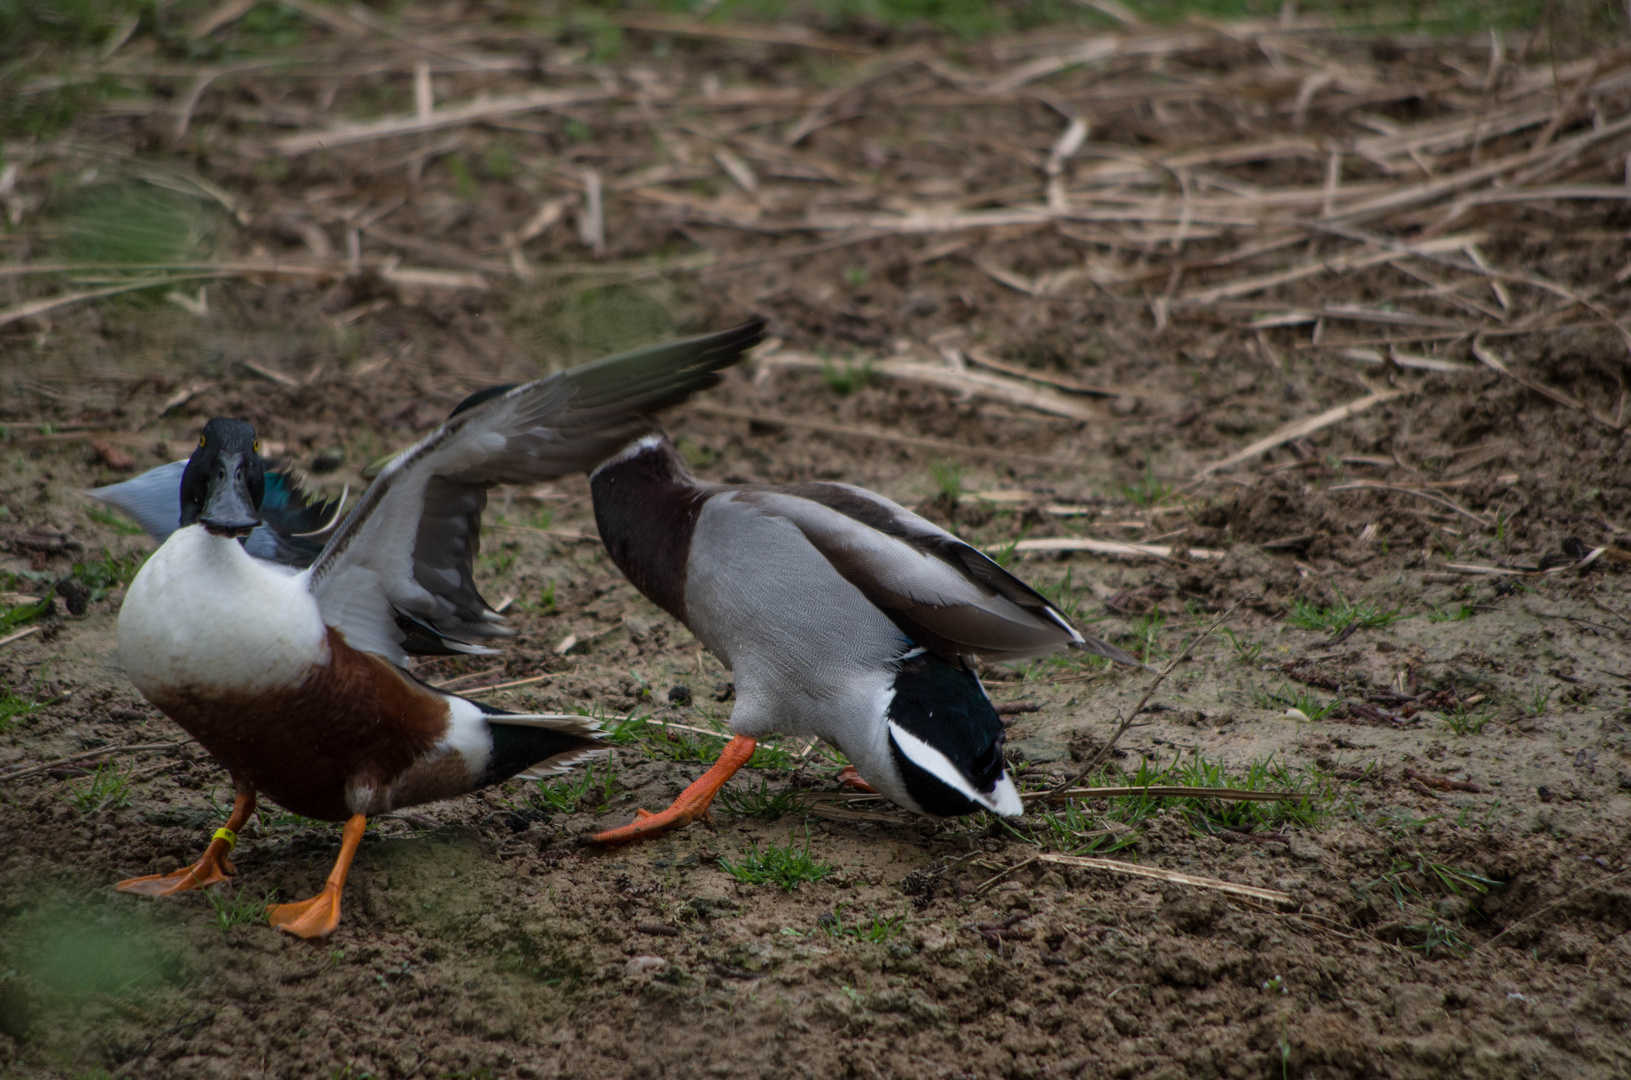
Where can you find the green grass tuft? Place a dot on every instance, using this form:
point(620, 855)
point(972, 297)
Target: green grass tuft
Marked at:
point(786, 867)
point(1341, 615)
point(1411, 876)
point(114, 522)
point(875, 929)
point(1103, 826)
point(1145, 635)
point(1458, 613)
point(1538, 702)
point(13, 706)
point(1463, 721)
point(1304, 701)
point(759, 802)
point(948, 479)
point(237, 910)
point(103, 575)
point(596, 782)
point(109, 789)
point(845, 380)
point(22, 613)
point(1247, 652)
point(1147, 491)
point(133, 222)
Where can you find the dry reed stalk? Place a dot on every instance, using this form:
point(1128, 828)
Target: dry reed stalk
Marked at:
point(1073, 386)
point(1159, 792)
point(1372, 485)
point(1346, 261)
point(19, 635)
point(1112, 866)
point(796, 36)
point(1299, 428)
point(943, 447)
point(1115, 548)
point(975, 383)
point(106, 751)
point(457, 116)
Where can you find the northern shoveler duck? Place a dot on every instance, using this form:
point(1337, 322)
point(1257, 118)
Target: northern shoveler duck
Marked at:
point(292, 523)
point(295, 681)
point(842, 615)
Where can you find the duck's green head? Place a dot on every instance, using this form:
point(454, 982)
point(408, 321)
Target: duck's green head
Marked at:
point(225, 479)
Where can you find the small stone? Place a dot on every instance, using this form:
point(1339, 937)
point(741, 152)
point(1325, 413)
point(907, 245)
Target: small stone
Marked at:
point(1304, 848)
point(679, 696)
point(643, 965)
point(75, 594)
point(112, 456)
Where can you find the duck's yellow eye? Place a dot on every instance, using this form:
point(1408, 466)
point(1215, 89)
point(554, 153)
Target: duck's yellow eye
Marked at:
point(201, 442)
point(257, 446)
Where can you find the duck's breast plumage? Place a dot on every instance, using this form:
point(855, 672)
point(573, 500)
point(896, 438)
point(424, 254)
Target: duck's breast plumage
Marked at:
point(203, 616)
point(235, 651)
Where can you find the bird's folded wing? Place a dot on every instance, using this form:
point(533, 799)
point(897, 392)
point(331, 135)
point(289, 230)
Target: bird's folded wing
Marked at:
point(941, 592)
point(396, 574)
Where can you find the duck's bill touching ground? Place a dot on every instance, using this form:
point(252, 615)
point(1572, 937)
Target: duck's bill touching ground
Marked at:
point(692, 803)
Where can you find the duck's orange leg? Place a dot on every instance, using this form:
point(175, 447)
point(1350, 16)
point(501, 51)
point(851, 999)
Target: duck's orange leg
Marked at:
point(693, 801)
point(319, 916)
point(212, 867)
point(852, 780)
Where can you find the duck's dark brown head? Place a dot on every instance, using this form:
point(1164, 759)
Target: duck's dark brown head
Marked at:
point(225, 479)
point(646, 506)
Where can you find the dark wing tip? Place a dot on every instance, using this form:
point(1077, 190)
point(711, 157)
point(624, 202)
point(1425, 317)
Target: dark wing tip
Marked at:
point(480, 396)
point(1105, 649)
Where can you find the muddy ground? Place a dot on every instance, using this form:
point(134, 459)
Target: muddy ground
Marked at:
point(1458, 860)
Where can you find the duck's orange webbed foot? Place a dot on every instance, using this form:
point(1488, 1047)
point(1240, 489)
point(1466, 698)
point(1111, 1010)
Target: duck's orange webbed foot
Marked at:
point(320, 916)
point(212, 867)
point(693, 802)
point(851, 779)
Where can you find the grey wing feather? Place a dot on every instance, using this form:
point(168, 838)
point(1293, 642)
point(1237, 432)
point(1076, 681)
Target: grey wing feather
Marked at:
point(152, 500)
point(399, 566)
point(944, 594)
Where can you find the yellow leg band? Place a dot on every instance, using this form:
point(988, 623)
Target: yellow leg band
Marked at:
point(224, 833)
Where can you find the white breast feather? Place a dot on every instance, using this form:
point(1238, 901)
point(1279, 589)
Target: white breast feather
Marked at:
point(204, 616)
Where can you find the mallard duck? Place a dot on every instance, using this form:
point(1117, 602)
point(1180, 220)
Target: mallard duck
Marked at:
point(295, 681)
point(292, 523)
point(841, 615)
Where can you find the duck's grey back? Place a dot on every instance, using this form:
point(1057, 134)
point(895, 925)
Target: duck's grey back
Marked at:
point(803, 642)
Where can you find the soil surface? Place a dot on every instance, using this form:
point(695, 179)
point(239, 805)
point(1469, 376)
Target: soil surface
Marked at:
point(1430, 645)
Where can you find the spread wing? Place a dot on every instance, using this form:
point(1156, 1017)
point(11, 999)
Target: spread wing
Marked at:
point(942, 593)
point(288, 512)
point(396, 577)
